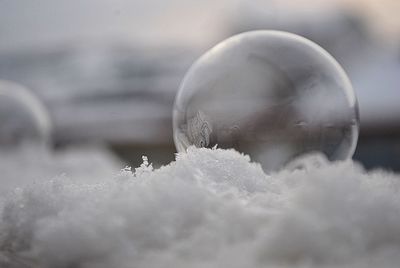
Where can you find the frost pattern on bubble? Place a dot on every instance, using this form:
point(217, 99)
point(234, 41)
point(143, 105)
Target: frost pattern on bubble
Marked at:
point(272, 95)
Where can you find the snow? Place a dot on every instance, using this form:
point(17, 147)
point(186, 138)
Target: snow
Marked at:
point(209, 208)
point(33, 163)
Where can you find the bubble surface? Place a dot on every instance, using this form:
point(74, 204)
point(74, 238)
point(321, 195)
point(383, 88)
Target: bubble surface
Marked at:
point(270, 94)
point(23, 118)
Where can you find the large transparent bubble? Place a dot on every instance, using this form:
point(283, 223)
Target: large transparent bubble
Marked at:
point(272, 95)
point(23, 118)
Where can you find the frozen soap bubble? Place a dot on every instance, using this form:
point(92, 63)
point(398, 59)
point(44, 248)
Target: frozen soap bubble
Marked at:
point(270, 94)
point(23, 119)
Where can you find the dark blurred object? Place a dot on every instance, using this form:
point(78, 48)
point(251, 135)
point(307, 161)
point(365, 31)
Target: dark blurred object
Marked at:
point(379, 151)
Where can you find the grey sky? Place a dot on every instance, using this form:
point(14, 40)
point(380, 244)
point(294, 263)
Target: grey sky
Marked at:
point(41, 22)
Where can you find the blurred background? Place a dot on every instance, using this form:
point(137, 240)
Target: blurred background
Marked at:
point(107, 71)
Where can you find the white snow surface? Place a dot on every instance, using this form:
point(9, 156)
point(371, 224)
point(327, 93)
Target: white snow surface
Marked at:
point(34, 163)
point(209, 208)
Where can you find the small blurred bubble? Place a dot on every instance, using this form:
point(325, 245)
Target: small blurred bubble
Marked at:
point(23, 118)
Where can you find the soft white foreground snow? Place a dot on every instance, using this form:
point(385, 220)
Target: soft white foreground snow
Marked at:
point(29, 163)
point(210, 208)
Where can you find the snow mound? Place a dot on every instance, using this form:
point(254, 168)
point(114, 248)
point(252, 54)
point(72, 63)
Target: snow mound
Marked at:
point(29, 163)
point(209, 208)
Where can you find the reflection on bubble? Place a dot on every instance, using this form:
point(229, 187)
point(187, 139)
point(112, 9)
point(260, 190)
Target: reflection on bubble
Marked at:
point(23, 118)
point(270, 94)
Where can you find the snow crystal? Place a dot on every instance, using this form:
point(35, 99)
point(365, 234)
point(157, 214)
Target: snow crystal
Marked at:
point(209, 208)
